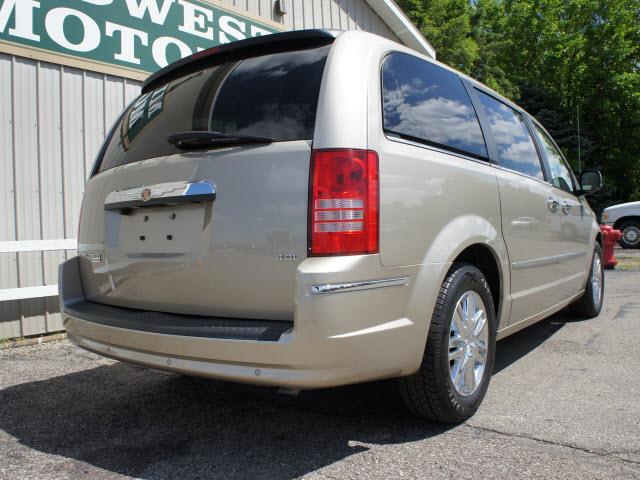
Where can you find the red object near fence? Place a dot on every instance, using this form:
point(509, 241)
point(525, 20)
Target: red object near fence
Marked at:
point(609, 239)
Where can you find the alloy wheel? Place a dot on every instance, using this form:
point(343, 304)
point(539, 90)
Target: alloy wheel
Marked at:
point(631, 235)
point(468, 343)
point(596, 280)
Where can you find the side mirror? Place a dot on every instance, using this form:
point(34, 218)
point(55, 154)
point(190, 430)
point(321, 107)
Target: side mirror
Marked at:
point(590, 182)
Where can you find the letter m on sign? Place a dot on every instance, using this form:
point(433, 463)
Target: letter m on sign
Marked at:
point(23, 18)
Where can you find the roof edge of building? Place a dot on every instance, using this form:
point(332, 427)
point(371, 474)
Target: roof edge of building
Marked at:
point(406, 31)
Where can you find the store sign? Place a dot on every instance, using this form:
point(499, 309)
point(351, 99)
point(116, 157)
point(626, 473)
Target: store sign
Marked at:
point(143, 35)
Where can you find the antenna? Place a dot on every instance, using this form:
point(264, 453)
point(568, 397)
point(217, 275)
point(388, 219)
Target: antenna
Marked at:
point(579, 149)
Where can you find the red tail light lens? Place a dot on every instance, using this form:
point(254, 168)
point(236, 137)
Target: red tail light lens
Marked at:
point(343, 202)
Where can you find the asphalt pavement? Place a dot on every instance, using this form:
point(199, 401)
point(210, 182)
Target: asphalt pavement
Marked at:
point(564, 402)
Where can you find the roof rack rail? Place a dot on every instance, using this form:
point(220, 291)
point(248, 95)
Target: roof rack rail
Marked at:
point(253, 46)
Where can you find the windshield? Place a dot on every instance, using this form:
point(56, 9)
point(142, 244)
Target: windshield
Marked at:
point(272, 96)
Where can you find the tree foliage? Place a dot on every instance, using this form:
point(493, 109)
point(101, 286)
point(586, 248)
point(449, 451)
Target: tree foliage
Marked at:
point(555, 58)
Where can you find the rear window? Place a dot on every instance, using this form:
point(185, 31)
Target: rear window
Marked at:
point(272, 95)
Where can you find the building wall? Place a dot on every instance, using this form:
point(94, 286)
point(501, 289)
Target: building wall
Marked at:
point(52, 121)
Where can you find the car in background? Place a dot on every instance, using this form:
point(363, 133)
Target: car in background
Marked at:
point(626, 218)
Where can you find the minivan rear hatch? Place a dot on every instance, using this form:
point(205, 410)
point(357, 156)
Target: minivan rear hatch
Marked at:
point(198, 204)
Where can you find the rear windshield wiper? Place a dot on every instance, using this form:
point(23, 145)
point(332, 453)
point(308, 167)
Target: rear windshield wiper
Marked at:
point(205, 139)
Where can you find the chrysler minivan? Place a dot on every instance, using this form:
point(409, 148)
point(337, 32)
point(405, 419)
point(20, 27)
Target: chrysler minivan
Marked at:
point(315, 208)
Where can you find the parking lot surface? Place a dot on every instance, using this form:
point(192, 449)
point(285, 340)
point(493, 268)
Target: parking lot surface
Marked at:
point(563, 403)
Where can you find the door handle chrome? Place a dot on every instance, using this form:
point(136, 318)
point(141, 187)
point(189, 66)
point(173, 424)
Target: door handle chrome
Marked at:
point(172, 193)
point(552, 204)
point(566, 207)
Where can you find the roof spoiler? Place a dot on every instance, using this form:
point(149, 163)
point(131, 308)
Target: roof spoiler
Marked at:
point(251, 46)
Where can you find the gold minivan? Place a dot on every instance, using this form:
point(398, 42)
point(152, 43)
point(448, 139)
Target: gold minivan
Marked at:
point(316, 208)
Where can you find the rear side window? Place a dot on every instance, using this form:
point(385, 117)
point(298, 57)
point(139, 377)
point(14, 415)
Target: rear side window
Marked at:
point(516, 149)
point(272, 95)
point(429, 104)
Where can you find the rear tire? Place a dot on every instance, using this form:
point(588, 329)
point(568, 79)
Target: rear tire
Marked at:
point(630, 234)
point(437, 391)
point(590, 304)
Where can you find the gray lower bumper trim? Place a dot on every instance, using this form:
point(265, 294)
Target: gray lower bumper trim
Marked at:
point(175, 324)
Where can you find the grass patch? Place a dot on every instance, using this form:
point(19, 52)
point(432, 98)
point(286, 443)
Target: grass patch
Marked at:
point(628, 262)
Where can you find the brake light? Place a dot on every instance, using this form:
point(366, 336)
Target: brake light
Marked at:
point(343, 202)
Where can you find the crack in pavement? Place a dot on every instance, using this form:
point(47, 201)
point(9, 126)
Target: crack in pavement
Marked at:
point(560, 444)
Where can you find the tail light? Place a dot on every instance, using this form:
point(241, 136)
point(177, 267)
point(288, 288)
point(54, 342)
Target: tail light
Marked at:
point(343, 202)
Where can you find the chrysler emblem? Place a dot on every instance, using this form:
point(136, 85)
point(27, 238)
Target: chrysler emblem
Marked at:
point(146, 194)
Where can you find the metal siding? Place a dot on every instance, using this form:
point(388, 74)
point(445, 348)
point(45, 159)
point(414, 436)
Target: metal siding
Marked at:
point(53, 120)
point(297, 12)
point(113, 100)
point(326, 13)
point(287, 20)
point(254, 7)
point(131, 91)
point(9, 311)
point(93, 118)
point(51, 195)
point(27, 188)
point(335, 14)
point(266, 9)
point(353, 14)
point(307, 14)
point(317, 13)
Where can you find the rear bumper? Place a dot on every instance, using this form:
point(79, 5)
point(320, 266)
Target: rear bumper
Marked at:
point(336, 338)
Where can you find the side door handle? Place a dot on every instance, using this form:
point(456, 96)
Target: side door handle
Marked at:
point(566, 207)
point(552, 203)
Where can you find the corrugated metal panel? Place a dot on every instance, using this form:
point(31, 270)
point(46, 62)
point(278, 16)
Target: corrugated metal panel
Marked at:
point(131, 91)
point(93, 118)
point(9, 311)
point(52, 121)
point(51, 195)
point(27, 188)
point(70, 98)
point(332, 14)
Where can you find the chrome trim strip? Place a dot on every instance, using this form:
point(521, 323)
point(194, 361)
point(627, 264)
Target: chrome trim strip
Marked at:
point(355, 286)
point(538, 262)
point(172, 193)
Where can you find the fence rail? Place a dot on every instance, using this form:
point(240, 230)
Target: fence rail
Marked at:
point(24, 293)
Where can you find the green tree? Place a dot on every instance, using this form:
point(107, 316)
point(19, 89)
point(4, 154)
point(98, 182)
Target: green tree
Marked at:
point(555, 58)
point(447, 25)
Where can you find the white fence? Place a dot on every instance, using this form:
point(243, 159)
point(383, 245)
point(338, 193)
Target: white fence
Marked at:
point(15, 328)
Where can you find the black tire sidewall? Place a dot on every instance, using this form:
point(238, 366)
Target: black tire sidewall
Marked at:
point(467, 277)
point(590, 307)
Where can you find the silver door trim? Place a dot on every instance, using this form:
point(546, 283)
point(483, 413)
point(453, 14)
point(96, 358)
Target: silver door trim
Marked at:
point(355, 286)
point(538, 262)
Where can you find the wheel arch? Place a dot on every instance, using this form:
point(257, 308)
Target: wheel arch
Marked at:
point(484, 259)
point(471, 239)
point(627, 218)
